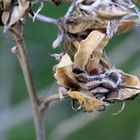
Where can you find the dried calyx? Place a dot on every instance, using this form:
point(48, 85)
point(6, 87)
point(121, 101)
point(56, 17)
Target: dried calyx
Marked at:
point(90, 79)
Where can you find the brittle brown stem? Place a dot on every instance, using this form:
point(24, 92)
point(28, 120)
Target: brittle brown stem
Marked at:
point(20, 52)
point(44, 104)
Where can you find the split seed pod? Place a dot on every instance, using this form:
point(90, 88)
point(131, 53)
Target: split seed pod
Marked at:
point(109, 17)
point(90, 79)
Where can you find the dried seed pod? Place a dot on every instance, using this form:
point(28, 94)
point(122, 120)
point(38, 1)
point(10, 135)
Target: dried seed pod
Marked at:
point(91, 79)
point(110, 17)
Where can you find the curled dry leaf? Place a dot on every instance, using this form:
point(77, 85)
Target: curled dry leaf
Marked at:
point(90, 79)
point(13, 11)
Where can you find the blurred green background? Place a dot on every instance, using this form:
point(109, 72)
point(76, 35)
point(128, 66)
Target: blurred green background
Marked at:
point(61, 122)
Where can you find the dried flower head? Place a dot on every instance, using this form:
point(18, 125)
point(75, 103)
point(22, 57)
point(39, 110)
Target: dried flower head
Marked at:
point(12, 11)
point(90, 79)
point(108, 16)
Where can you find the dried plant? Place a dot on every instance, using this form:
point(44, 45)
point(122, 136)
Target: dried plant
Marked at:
point(84, 72)
point(90, 79)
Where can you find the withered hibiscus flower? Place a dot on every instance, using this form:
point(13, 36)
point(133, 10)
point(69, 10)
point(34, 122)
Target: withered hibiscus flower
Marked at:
point(90, 79)
point(110, 17)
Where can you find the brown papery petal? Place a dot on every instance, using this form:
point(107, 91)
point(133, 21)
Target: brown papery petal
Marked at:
point(64, 74)
point(89, 103)
point(131, 80)
point(126, 93)
point(90, 51)
point(13, 15)
point(126, 25)
point(111, 12)
point(89, 23)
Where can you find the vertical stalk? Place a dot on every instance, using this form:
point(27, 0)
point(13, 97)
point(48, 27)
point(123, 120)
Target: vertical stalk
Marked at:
point(20, 52)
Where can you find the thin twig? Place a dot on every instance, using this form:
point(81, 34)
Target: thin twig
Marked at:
point(46, 19)
point(39, 9)
point(20, 52)
point(70, 10)
point(48, 100)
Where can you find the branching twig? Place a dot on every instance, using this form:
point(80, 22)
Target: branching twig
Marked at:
point(48, 100)
point(56, 22)
point(38, 106)
point(46, 19)
point(70, 10)
point(20, 52)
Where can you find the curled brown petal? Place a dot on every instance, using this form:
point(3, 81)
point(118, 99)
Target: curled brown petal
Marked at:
point(64, 74)
point(15, 12)
point(90, 51)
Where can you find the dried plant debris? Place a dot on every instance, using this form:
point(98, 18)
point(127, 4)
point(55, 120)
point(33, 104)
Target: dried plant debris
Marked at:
point(90, 80)
point(12, 11)
point(108, 16)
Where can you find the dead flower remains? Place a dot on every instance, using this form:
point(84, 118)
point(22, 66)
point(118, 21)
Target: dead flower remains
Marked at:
point(85, 75)
point(90, 79)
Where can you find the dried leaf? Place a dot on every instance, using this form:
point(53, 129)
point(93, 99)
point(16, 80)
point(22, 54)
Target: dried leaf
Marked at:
point(88, 102)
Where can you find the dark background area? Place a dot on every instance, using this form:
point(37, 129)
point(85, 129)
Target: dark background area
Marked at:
point(62, 123)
